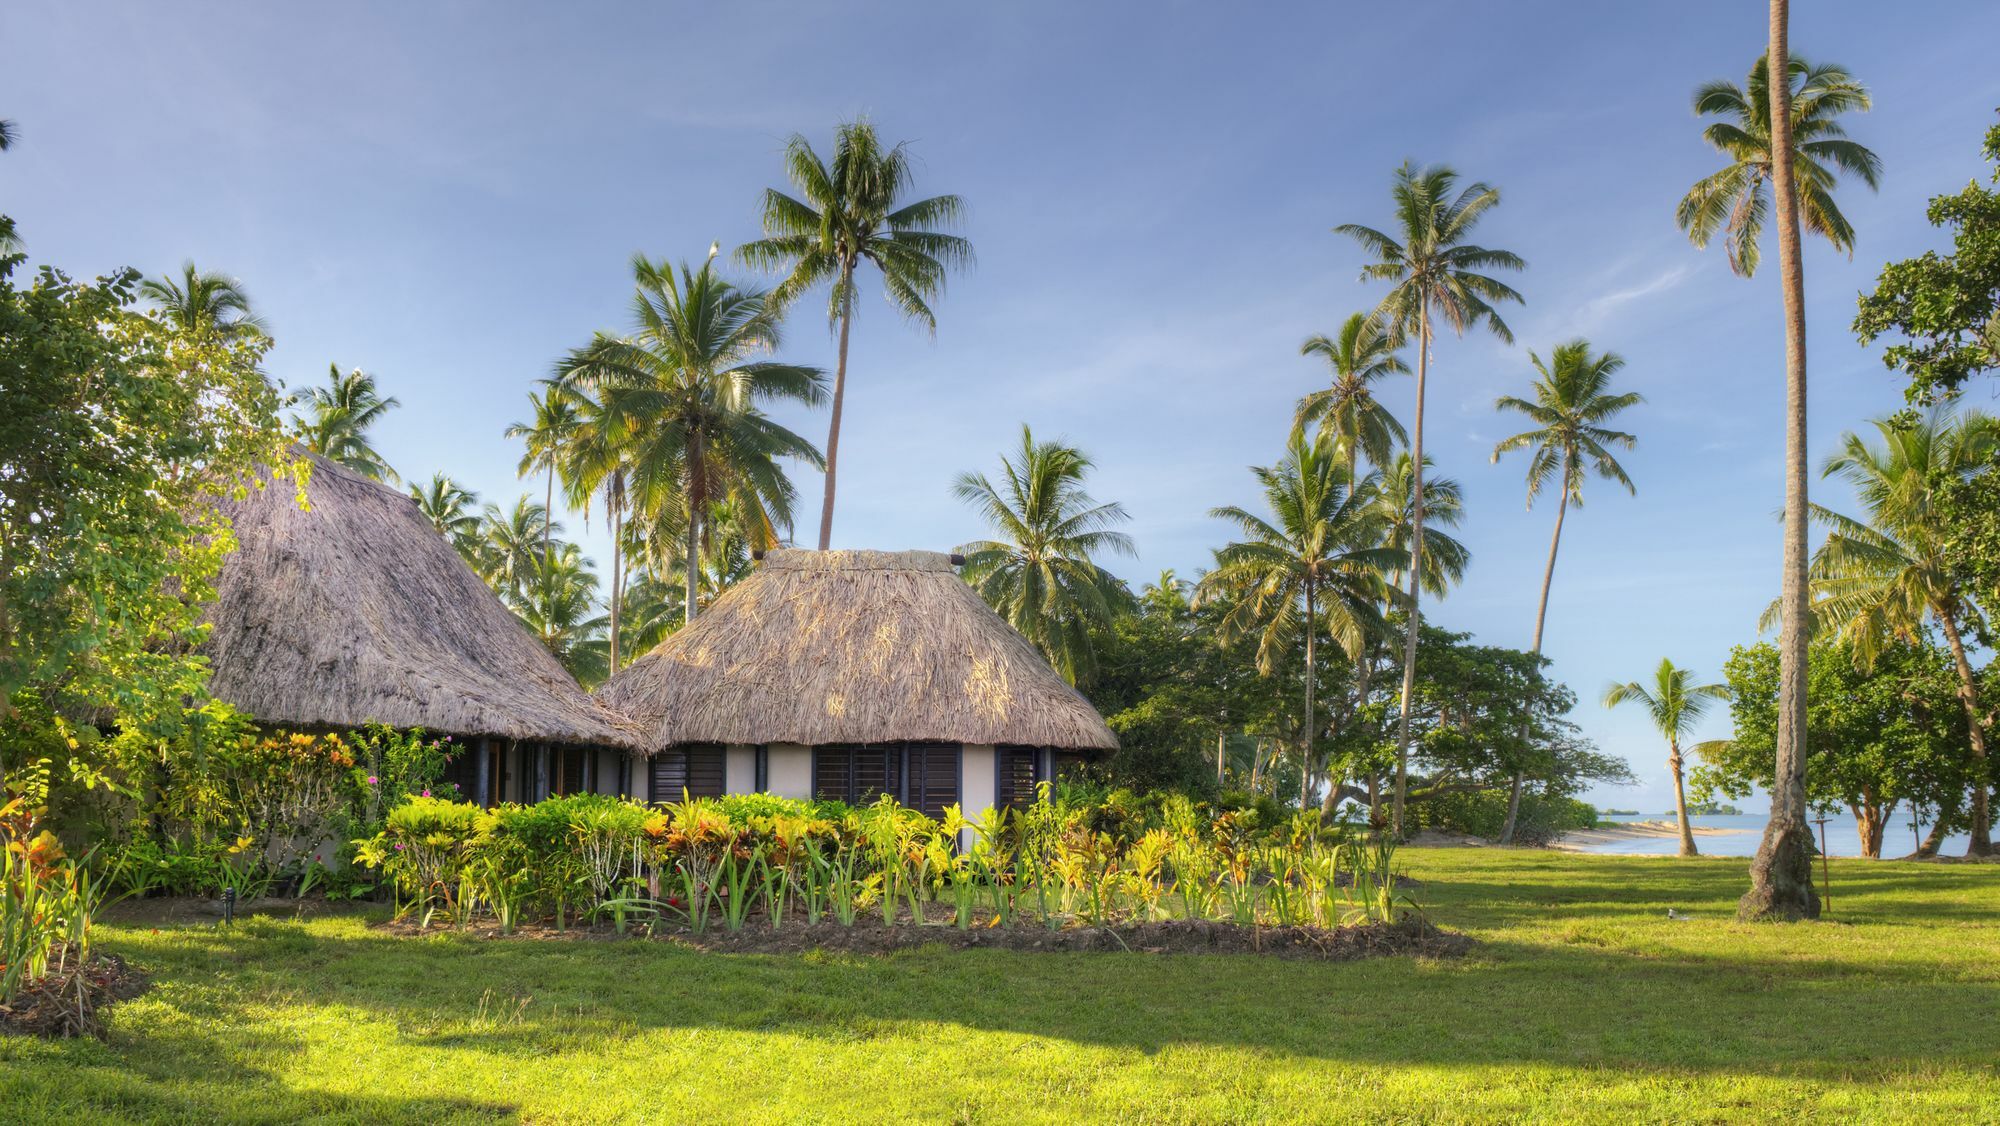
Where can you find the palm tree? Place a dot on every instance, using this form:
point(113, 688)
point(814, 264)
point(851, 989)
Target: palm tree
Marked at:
point(1041, 575)
point(1888, 576)
point(849, 213)
point(509, 545)
point(1319, 566)
point(1781, 884)
point(1736, 199)
point(673, 411)
point(208, 303)
point(1362, 353)
point(448, 506)
point(1572, 400)
point(558, 604)
point(1676, 703)
point(555, 420)
point(1394, 499)
point(338, 416)
point(8, 131)
point(1436, 273)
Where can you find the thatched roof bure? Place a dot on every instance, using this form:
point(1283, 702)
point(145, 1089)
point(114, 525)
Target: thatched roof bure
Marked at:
point(852, 647)
point(358, 611)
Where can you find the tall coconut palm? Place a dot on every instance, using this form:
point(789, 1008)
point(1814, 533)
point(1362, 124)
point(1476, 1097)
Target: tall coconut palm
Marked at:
point(1317, 565)
point(1675, 703)
point(204, 302)
point(1435, 275)
point(1573, 398)
point(1735, 200)
point(1362, 353)
point(845, 214)
point(451, 509)
point(673, 409)
point(1042, 575)
point(554, 421)
point(1393, 496)
point(337, 419)
point(1781, 884)
point(1888, 576)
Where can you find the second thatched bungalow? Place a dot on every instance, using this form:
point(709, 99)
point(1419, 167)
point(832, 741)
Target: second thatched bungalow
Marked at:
point(354, 610)
point(848, 675)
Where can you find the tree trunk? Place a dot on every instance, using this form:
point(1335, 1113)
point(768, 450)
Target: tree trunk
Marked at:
point(617, 514)
point(1781, 878)
point(1306, 742)
point(1680, 799)
point(548, 514)
point(1541, 617)
point(839, 397)
point(1933, 840)
point(691, 566)
point(1873, 820)
point(1968, 697)
point(1416, 574)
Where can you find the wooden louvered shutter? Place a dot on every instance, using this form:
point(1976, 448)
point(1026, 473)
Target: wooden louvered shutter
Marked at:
point(669, 775)
point(571, 774)
point(830, 770)
point(874, 774)
point(932, 776)
point(705, 777)
point(1017, 776)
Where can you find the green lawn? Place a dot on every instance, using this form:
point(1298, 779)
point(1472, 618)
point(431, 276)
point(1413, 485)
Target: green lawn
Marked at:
point(1584, 1004)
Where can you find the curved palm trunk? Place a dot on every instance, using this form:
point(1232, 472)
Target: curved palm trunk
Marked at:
point(691, 565)
point(1680, 798)
point(839, 397)
point(1306, 738)
point(1968, 698)
point(1541, 617)
point(617, 573)
point(1781, 879)
point(548, 514)
point(1416, 575)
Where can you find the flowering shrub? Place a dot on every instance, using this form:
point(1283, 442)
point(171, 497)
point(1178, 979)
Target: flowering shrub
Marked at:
point(735, 860)
point(48, 902)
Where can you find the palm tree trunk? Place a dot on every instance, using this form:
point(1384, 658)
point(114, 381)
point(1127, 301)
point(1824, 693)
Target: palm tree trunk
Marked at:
point(1416, 574)
point(617, 569)
point(691, 564)
point(839, 397)
point(548, 514)
point(1781, 879)
point(1541, 617)
point(1680, 798)
point(1968, 697)
point(1306, 740)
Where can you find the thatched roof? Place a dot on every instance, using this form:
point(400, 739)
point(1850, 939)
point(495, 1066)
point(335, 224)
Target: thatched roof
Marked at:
point(358, 611)
point(851, 647)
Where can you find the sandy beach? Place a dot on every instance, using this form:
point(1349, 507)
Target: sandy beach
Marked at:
point(1611, 833)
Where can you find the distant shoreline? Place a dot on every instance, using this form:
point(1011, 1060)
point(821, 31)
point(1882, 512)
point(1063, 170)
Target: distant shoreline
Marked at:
point(1582, 840)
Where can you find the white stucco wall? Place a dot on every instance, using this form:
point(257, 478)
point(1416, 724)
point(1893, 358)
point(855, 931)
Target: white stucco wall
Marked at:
point(739, 769)
point(977, 775)
point(788, 770)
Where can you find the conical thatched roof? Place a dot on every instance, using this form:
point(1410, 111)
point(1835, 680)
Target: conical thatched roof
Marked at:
point(851, 647)
point(358, 611)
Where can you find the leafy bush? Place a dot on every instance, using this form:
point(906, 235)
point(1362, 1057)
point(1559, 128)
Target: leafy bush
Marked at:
point(1541, 820)
point(48, 902)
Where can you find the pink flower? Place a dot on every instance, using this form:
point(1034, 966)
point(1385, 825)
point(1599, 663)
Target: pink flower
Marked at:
point(427, 793)
point(371, 779)
point(399, 846)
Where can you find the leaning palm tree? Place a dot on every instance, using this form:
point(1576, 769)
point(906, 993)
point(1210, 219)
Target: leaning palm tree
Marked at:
point(1889, 576)
point(8, 131)
point(1436, 274)
point(204, 302)
point(1675, 703)
point(555, 420)
point(673, 411)
point(1318, 566)
point(1360, 354)
point(337, 419)
point(1042, 575)
point(851, 212)
point(449, 507)
point(1735, 200)
point(1573, 398)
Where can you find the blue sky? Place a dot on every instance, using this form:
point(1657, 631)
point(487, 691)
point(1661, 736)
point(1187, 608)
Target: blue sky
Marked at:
point(446, 195)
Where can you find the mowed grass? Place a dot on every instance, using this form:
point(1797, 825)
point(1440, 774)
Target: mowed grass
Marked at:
point(1585, 1003)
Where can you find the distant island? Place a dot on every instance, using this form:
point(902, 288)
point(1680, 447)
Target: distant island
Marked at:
point(1618, 813)
point(1707, 809)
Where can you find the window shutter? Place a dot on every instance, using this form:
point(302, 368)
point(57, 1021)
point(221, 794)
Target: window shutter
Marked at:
point(669, 775)
point(1017, 776)
point(705, 771)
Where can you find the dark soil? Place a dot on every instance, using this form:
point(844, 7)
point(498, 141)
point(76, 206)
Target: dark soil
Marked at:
point(869, 935)
point(64, 1005)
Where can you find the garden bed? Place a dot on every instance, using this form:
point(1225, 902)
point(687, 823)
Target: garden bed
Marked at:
point(65, 1003)
point(1413, 936)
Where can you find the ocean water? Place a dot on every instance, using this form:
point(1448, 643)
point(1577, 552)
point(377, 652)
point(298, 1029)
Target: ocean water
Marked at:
point(1746, 830)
